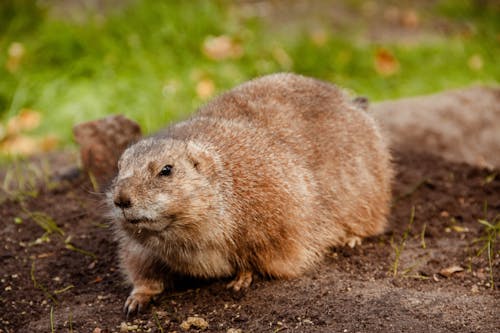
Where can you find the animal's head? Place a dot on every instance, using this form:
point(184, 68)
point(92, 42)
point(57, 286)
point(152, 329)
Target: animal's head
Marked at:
point(165, 190)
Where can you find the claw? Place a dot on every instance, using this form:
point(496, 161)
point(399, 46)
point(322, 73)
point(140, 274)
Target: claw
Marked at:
point(135, 303)
point(242, 281)
point(353, 241)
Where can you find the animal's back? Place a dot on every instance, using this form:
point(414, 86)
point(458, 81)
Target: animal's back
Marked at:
point(303, 159)
point(339, 143)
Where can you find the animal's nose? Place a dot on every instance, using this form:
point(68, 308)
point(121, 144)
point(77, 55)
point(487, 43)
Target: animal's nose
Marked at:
point(122, 200)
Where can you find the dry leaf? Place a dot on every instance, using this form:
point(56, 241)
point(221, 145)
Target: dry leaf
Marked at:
point(475, 62)
point(205, 88)
point(449, 271)
point(15, 56)
point(386, 63)
point(221, 47)
point(19, 145)
point(26, 145)
point(460, 229)
point(410, 19)
point(48, 143)
point(26, 120)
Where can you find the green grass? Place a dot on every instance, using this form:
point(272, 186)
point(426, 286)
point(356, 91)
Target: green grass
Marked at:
point(144, 60)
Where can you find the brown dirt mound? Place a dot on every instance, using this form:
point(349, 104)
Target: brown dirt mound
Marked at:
point(353, 290)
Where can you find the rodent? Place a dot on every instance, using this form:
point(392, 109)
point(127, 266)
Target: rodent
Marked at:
point(263, 180)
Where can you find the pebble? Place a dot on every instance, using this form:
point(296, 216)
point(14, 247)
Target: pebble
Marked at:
point(195, 322)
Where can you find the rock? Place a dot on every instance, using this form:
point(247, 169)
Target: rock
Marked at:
point(449, 271)
point(102, 142)
point(234, 330)
point(196, 322)
point(460, 125)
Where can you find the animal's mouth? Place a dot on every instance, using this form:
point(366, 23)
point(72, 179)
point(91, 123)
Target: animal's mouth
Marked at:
point(138, 221)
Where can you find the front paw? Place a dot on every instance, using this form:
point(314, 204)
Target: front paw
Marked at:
point(140, 297)
point(136, 302)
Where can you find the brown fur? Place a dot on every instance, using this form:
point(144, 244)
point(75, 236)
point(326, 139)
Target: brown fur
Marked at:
point(265, 179)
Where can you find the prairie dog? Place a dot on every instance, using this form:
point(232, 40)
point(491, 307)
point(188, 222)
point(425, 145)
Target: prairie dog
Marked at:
point(262, 180)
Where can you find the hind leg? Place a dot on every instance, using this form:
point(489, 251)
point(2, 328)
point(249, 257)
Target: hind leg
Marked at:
point(353, 241)
point(242, 281)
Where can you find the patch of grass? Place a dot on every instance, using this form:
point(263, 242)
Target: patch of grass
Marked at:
point(45, 221)
point(70, 322)
point(158, 324)
point(52, 319)
point(72, 247)
point(410, 191)
point(23, 179)
point(398, 248)
point(60, 291)
point(20, 181)
point(422, 236)
point(489, 240)
point(40, 286)
point(144, 59)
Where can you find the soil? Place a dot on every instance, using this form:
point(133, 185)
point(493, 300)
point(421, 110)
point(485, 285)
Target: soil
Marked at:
point(390, 283)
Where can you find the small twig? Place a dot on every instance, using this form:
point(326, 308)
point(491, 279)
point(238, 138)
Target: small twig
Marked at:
point(52, 319)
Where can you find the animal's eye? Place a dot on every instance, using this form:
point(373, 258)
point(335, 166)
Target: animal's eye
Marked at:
point(166, 170)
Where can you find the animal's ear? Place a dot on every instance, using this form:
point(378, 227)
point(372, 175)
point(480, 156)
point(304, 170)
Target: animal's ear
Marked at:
point(202, 159)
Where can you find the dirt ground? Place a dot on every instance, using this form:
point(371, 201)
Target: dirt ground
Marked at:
point(80, 289)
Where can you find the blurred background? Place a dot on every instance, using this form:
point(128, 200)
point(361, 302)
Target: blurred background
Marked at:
point(67, 61)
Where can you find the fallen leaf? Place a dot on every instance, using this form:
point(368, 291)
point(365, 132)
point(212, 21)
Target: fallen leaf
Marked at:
point(19, 145)
point(410, 19)
point(205, 88)
point(475, 62)
point(196, 322)
point(48, 143)
point(26, 120)
point(385, 63)
point(221, 47)
point(26, 145)
point(449, 271)
point(15, 54)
